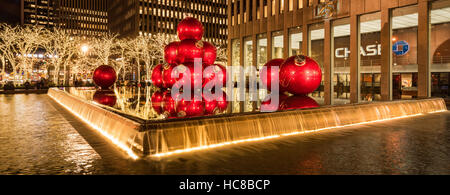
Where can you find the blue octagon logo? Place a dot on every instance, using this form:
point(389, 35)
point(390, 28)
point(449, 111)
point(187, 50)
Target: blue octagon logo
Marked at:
point(400, 48)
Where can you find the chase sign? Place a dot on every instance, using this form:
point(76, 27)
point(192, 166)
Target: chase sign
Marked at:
point(400, 48)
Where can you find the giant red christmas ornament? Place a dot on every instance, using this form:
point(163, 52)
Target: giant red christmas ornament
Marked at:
point(157, 99)
point(298, 102)
point(222, 102)
point(189, 50)
point(212, 71)
point(210, 53)
point(300, 75)
point(187, 71)
point(169, 104)
point(105, 76)
point(190, 28)
point(268, 79)
point(190, 108)
point(171, 53)
point(168, 80)
point(107, 98)
point(157, 76)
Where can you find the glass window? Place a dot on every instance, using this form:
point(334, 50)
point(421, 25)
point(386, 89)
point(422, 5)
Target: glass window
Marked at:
point(248, 54)
point(236, 57)
point(440, 48)
point(316, 48)
point(277, 45)
point(261, 55)
point(341, 61)
point(404, 52)
point(295, 41)
point(370, 59)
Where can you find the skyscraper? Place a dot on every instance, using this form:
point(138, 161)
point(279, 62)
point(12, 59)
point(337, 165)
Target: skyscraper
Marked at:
point(81, 17)
point(145, 17)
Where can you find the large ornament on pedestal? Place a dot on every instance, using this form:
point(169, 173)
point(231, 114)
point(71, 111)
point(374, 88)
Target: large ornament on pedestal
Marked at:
point(105, 76)
point(169, 105)
point(300, 75)
point(190, 28)
point(107, 98)
point(210, 53)
point(157, 76)
point(268, 79)
point(189, 50)
point(171, 53)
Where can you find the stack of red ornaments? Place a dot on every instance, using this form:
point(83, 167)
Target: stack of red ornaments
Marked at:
point(184, 52)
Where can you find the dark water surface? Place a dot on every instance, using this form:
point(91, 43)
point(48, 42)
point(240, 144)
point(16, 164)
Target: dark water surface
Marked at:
point(37, 136)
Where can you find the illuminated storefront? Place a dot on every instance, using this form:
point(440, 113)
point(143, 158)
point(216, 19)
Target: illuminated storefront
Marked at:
point(404, 46)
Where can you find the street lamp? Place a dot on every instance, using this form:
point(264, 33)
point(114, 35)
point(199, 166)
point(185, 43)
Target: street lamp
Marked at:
point(84, 48)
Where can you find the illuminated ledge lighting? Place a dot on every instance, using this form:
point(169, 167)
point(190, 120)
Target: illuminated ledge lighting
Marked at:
point(101, 131)
point(279, 136)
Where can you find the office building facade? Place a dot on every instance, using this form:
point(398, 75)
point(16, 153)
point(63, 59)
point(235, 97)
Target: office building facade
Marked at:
point(404, 45)
point(130, 18)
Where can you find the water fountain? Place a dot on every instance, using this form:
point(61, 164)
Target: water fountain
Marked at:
point(134, 126)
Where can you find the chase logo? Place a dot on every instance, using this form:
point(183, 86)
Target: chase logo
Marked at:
point(400, 48)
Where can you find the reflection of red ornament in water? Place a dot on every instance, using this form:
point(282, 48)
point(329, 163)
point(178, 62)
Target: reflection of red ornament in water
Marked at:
point(157, 99)
point(189, 50)
point(210, 53)
point(190, 28)
point(190, 108)
point(300, 75)
point(266, 105)
point(105, 76)
point(157, 76)
point(107, 98)
point(171, 53)
point(268, 79)
point(216, 69)
point(298, 102)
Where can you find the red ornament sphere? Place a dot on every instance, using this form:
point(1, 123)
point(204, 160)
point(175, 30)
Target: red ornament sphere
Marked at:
point(105, 76)
point(298, 102)
point(157, 102)
point(214, 70)
point(210, 53)
point(168, 80)
point(300, 75)
point(189, 50)
point(268, 79)
point(190, 108)
point(222, 103)
point(107, 98)
point(171, 53)
point(169, 105)
point(188, 72)
point(157, 76)
point(190, 28)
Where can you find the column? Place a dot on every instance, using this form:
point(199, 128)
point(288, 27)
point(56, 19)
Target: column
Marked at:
point(354, 59)
point(328, 82)
point(386, 54)
point(423, 50)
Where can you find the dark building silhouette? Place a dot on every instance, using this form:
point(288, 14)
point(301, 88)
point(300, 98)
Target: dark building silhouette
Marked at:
point(10, 11)
point(144, 17)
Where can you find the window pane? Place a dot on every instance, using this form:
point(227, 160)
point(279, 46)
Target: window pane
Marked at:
point(370, 61)
point(341, 66)
point(277, 45)
point(404, 56)
point(295, 41)
point(440, 48)
point(316, 39)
